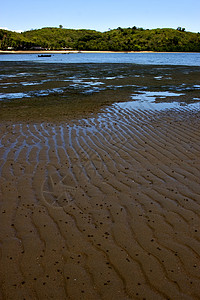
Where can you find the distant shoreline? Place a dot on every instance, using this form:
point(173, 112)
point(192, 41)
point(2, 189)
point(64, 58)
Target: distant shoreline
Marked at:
point(76, 51)
point(128, 40)
point(65, 51)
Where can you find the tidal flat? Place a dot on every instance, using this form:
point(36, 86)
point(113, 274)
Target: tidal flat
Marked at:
point(99, 181)
point(36, 91)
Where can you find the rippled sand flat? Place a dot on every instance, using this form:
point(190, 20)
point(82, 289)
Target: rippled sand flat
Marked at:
point(99, 182)
point(101, 208)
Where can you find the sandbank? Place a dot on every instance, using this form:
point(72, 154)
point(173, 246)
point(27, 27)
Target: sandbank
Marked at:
point(101, 208)
point(98, 199)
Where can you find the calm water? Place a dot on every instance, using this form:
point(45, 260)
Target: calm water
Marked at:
point(187, 59)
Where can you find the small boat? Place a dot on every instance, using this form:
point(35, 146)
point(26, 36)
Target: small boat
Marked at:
point(44, 55)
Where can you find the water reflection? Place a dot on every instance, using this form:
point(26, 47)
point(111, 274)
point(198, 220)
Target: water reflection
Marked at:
point(146, 105)
point(38, 93)
point(147, 96)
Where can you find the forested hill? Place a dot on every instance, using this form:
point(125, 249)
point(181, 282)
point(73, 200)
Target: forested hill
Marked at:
point(120, 39)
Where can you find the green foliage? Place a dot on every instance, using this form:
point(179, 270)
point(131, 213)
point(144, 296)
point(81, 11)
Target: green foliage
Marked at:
point(181, 29)
point(14, 40)
point(120, 39)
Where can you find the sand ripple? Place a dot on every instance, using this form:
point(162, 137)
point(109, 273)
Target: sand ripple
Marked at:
point(104, 208)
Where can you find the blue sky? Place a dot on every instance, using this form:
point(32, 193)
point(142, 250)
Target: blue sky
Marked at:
point(21, 15)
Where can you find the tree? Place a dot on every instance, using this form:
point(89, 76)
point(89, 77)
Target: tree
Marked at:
point(180, 29)
point(121, 39)
point(60, 26)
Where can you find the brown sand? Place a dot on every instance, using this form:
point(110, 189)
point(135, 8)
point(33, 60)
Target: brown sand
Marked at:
point(69, 51)
point(101, 208)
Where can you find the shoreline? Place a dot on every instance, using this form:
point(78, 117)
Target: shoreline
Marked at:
point(75, 52)
point(66, 52)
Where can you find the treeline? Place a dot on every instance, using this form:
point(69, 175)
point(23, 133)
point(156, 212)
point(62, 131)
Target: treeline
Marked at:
point(120, 39)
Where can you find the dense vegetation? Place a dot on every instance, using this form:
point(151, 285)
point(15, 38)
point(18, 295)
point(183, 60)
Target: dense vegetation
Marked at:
point(120, 39)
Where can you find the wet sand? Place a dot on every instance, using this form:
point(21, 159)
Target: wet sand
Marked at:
point(99, 182)
point(51, 92)
point(101, 208)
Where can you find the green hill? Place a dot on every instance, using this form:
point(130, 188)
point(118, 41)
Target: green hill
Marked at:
point(120, 39)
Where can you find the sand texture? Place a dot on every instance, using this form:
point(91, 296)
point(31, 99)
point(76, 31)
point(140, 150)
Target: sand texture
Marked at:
point(106, 207)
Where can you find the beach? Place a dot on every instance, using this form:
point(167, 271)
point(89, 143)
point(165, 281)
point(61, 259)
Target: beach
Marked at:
point(100, 202)
point(67, 51)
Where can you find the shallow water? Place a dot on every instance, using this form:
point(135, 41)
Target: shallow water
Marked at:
point(32, 90)
point(187, 59)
